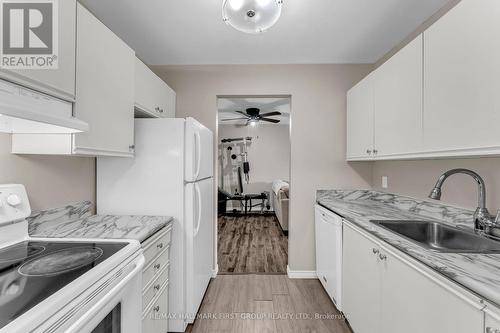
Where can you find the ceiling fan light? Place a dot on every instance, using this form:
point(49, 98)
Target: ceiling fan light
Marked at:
point(251, 16)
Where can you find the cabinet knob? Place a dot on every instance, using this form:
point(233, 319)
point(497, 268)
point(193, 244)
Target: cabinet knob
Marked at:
point(160, 246)
point(375, 151)
point(382, 256)
point(131, 147)
point(157, 108)
point(156, 308)
point(157, 287)
point(161, 110)
point(369, 151)
point(157, 266)
point(375, 251)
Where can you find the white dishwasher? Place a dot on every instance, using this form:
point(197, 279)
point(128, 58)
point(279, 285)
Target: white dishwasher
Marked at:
point(329, 252)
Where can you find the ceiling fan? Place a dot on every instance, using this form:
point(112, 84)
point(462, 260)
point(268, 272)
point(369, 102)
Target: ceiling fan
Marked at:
point(253, 116)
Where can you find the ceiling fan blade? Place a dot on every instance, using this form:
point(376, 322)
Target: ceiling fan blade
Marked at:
point(242, 113)
point(275, 121)
point(270, 114)
point(233, 119)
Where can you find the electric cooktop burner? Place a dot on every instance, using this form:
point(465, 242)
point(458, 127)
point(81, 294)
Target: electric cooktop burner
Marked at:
point(32, 271)
point(60, 261)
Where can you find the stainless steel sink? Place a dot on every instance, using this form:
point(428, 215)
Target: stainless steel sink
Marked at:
point(440, 237)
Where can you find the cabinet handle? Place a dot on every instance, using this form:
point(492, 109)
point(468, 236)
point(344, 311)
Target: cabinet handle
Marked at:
point(160, 246)
point(492, 330)
point(131, 147)
point(161, 110)
point(375, 251)
point(382, 256)
point(369, 151)
point(157, 266)
point(157, 108)
point(375, 151)
point(156, 308)
point(157, 287)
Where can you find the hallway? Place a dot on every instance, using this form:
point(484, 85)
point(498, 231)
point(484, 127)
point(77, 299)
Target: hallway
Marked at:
point(251, 244)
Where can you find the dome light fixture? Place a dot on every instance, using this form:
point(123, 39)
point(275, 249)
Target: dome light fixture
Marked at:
point(251, 16)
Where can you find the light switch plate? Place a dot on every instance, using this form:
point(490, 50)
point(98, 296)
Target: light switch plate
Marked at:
point(385, 182)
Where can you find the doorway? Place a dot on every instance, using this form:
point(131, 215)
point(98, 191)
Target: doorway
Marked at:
point(253, 184)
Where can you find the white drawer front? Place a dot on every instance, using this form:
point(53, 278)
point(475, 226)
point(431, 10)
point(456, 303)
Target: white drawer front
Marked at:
point(156, 245)
point(153, 289)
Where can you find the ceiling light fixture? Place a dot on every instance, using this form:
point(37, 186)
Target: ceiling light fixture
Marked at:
point(251, 16)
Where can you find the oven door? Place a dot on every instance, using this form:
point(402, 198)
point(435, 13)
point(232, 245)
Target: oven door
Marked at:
point(119, 311)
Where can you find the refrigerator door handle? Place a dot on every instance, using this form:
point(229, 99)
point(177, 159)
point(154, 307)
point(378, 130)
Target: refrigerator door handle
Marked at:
point(198, 154)
point(198, 217)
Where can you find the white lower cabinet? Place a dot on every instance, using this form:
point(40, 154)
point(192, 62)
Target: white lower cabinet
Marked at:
point(387, 292)
point(361, 276)
point(155, 282)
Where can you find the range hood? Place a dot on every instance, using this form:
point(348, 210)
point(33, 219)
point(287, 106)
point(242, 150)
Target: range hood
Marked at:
point(25, 111)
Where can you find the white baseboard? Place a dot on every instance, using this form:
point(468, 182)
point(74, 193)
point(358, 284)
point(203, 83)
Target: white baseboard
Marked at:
point(215, 271)
point(301, 274)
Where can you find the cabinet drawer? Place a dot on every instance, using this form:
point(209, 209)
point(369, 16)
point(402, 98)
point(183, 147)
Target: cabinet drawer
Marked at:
point(153, 289)
point(156, 246)
point(155, 319)
point(155, 267)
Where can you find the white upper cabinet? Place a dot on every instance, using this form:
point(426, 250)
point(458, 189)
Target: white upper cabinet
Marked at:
point(105, 73)
point(360, 120)
point(56, 82)
point(397, 95)
point(462, 80)
point(439, 96)
point(152, 95)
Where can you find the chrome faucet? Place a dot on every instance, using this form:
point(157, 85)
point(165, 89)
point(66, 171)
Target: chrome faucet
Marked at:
point(483, 220)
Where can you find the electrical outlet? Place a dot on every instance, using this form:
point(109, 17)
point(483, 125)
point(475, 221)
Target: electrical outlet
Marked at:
point(385, 182)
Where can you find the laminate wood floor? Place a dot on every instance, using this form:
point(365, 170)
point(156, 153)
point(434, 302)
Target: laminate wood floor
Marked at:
point(251, 244)
point(267, 303)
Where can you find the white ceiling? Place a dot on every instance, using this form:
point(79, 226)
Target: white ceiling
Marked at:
point(310, 31)
point(228, 106)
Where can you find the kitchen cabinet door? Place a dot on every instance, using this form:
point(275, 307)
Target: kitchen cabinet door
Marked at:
point(413, 302)
point(361, 297)
point(57, 82)
point(492, 321)
point(360, 120)
point(462, 80)
point(152, 95)
point(105, 70)
point(397, 95)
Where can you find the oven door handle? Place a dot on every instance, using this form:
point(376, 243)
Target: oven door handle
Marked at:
point(93, 311)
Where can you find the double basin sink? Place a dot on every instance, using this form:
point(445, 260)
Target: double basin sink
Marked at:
point(440, 237)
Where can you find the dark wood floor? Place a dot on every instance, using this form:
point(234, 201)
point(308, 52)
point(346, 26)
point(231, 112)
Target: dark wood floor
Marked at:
point(251, 244)
point(267, 303)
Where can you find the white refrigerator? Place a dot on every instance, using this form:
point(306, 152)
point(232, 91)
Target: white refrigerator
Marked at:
point(171, 174)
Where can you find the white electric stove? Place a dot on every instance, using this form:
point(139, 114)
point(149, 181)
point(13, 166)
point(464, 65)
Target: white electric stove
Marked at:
point(64, 285)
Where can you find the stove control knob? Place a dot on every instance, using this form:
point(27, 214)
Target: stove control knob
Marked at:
point(13, 200)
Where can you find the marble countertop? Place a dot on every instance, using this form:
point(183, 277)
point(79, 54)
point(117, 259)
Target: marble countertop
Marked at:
point(77, 221)
point(479, 273)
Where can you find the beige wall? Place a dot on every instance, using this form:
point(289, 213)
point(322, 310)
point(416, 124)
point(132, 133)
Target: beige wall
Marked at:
point(417, 178)
point(268, 155)
point(317, 128)
point(51, 181)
